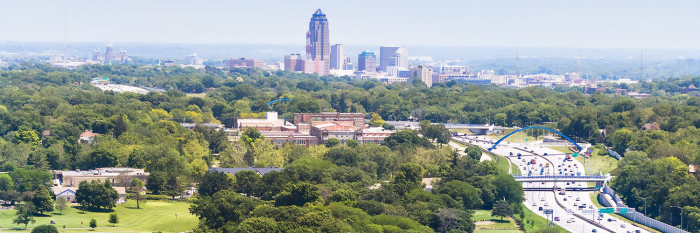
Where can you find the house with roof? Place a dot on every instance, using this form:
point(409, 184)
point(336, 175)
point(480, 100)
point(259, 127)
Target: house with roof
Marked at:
point(88, 136)
point(69, 193)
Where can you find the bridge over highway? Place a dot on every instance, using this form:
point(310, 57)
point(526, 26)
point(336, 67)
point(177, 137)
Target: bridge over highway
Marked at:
point(522, 178)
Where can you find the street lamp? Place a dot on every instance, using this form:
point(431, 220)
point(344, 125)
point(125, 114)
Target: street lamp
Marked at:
point(681, 215)
point(175, 223)
point(645, 209)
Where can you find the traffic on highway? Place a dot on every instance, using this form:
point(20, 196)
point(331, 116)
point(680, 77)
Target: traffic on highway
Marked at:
point(569, 200)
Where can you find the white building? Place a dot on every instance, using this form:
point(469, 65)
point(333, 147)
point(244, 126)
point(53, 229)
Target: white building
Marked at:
point(424, 74)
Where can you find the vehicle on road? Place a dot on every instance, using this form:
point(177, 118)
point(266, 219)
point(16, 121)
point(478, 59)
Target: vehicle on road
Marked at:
point(623, 225)
point(556, 219)
point(594, 230)
point(578, 199)
point(540, 209)
point(534, 161)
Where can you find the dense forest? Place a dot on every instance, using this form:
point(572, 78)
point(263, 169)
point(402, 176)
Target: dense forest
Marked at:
point(324, 188)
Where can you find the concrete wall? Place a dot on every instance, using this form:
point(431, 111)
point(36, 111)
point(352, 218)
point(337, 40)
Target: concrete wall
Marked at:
point(636, 216)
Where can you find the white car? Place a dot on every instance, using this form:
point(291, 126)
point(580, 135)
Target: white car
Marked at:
point(534, 204)
point(542, 199)
point(623, 225)
point(546, 204)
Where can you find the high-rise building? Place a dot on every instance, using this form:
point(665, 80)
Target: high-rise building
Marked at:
point(293, 62)
point(424, 74)
point(318, 46)
point(315, 66)
point(337, 57)
point(367, 61)
point(193, 59)
point(392, 56)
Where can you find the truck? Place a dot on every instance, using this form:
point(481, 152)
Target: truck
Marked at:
point(547, 165)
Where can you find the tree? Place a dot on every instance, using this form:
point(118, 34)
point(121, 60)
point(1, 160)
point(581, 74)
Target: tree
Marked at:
point(45, 229)
point(61, 204)
point(473, 152)
point(156, 182)
point(332, 142)
point(225, 206)
point(174, 185)
point(503, 209)
point(136, 189)
point(73, 149)
point(113, 218)
point(96, 195)
point(298, 194)
point(102, 158)
point(93, 223)
point(352, 143)
point(42, 200)
point(27, 136)
point(460, 190)
point(248, 182)
point(507, 187)
point(25, 214)
point(408, 177)
point(213, 182)
point(120, 126)
point(376, 120)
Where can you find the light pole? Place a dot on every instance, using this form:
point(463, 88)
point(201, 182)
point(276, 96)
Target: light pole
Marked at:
point(175, 223)
point(645, 209)
point(681, 215)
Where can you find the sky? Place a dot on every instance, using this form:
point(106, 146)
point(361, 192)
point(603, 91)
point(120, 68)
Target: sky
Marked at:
point(633, 24)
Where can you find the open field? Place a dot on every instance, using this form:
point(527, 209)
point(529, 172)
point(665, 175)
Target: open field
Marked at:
point(599, 163)
point(200, 95)
point(152, 217)
point(539, 222)
point(485, 215)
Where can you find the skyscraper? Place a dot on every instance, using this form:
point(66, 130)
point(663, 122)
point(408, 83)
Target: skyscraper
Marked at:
point(424, 74)
point(367, 61)
point(392, 56)
point(318, 46)
point(337, 57)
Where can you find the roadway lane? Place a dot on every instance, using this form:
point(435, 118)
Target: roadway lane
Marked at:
point(548, 199)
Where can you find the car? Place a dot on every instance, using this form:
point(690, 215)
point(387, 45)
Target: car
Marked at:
point(559, 173)
point(610, 220)
point(600, 218)
point(594, 230)
point(542, 199)
point(545, 154)
point(546, 204)
point(623, 225)
point(565, 169)
point(590, 207)
point(568, 221)
point(526, 147)
point(523, 160)
point(565, 199)
point(579, 185)
point(575, 165)
point(556, 218)
point(52, 222)
point(542, 182)
point(572, 219)
point(534, 204)
point(575, 203)
point(581, 207)
point(511, 153)
point(540, 209)
point(578, 199)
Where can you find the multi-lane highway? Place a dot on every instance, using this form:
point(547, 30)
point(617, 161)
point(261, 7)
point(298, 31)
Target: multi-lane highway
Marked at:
point(572, 210)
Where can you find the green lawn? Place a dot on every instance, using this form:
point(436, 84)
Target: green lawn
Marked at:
point(599, 163)
point(502, 163)
point(540, 222)
point(152, 217)
point(200, 95)
point(518, 137)
point(485, 215)
point(562, 149)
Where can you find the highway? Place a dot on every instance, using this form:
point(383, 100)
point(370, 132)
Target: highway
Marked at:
point(576, 218)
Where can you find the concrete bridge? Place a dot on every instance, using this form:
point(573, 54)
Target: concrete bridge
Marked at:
point(522, 178)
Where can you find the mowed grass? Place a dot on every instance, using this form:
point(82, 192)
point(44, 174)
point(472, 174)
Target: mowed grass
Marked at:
point(152, 217)
point(200, 95)
point(485, 215)
point(539, 222)
point(599, 163)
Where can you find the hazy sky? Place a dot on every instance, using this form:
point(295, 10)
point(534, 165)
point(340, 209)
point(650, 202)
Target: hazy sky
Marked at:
point(557, 23)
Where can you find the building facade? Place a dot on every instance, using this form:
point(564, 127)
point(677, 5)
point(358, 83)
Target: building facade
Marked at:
point(318, 46)
point(424, 74)
point(367, 61)
point(392, 56)
point(110, 56)
point(357, 119)
point(193, 59)
point(244, 62)
point(337, 57)
point(293, 62)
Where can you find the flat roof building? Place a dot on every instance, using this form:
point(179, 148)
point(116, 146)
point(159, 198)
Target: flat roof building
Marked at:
point(244, 62)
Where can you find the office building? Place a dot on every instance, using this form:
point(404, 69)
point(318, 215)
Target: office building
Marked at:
point(293, 62)
point(348, 64)
point(392, 56)
point(367, 61)
point(192, 59)
point(337, 57)
point(318, 46)
point(424, 74)
point(316, 66)
point(244, 62)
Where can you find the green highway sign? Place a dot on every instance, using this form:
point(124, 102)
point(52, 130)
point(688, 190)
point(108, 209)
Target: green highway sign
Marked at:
point(607, 210)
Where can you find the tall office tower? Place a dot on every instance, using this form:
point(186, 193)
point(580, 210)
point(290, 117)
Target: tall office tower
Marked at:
point(424, 74)
point(367, 61)
point(392, 56)
point(337, 57)
point(109, 54)
point(318, 46)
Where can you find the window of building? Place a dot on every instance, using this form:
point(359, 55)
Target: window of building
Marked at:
point(301, 142)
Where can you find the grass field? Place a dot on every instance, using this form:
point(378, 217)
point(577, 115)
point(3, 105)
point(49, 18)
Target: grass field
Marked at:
point(562, 149)
point(152, 217)
point(200, 95)
point(502, 163)
point(539, 222)
point(599, 163)
point(485, 215)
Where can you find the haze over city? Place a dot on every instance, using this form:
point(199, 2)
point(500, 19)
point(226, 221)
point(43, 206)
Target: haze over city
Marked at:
point(546, 24)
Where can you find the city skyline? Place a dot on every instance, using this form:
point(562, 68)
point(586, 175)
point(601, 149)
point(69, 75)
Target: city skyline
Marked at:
point(549, 24)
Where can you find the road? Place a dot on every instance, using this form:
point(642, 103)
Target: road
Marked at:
point(550, 199)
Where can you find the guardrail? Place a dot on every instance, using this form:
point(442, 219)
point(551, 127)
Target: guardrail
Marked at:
point(583, 218)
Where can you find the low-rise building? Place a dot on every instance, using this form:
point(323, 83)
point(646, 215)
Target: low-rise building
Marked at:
point(244, 62)
point(69, 193)
point(118, 176)
point(88, 136)
point(280, 138)
point(271, 122)
point(358, 119)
